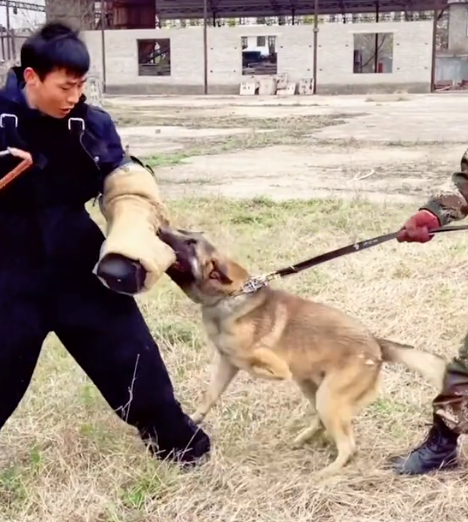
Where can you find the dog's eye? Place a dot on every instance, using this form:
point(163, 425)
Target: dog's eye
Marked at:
point(214, 275)
point(191, 241)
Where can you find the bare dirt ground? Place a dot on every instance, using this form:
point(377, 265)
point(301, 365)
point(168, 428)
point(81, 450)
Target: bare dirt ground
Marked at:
point(271, 182)
point(387, 147)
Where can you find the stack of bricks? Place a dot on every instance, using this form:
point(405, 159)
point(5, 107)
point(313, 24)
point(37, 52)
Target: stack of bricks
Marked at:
point(276, 85)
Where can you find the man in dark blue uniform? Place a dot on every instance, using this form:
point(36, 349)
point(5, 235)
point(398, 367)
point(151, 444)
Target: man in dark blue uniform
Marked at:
point(58, 272)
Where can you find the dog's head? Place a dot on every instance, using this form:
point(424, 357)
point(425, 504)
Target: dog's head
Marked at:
point(201, 272)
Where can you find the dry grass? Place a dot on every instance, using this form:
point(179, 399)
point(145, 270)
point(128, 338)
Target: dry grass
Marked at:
point(66, 457)
point(206, 119)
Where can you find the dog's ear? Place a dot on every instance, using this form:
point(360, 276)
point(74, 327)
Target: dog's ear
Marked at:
point(220, 272)
point(191, 232)
point(187, 232)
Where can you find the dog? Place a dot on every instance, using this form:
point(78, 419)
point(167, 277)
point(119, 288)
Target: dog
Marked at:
point(272, 334)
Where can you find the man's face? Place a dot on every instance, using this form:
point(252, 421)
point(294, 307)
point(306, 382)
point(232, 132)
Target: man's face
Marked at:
point(56, 94)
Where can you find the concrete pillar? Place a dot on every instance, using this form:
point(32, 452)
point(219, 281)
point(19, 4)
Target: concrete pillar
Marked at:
point(458, 28)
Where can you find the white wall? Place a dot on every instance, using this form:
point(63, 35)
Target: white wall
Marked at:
point(295, 48)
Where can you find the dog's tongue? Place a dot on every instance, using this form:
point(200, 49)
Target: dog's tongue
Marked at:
point(178, 265)
point(182, 265)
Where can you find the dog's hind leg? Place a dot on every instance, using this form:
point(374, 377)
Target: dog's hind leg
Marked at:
point(309, 389)
point(336, 417)
point(339, 398)
point(222, 374)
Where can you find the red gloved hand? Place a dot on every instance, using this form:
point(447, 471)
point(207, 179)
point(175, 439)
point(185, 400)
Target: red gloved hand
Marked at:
point(418, 226)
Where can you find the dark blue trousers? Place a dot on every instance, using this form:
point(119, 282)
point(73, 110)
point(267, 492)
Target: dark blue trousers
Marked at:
point(47, 285)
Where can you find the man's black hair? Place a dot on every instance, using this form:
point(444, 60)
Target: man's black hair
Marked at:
point(55, 46)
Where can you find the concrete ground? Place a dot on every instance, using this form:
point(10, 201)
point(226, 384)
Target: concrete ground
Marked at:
point(395, 147)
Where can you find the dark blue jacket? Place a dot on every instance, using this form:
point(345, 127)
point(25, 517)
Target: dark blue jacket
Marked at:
point(70, 165)
point(43, 221)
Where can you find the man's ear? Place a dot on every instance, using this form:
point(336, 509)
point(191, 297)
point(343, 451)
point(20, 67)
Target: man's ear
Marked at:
point(30, 75)
point(220, 272)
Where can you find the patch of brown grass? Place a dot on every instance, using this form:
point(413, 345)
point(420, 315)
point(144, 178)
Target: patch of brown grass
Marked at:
point(193, 120)
point(66, 457)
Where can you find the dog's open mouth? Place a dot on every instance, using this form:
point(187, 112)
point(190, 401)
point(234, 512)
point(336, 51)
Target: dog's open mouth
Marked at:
point(179, 266)
point(186, 265)
point(180, 274)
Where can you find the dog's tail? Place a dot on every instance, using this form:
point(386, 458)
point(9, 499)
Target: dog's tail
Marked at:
point(429, 365)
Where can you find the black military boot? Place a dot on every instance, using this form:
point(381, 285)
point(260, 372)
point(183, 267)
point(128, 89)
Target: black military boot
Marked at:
point(439, 451)
point(184, 443)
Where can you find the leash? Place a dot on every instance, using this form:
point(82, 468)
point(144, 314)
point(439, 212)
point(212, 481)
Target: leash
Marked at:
point(255, 283)
point(19, 169)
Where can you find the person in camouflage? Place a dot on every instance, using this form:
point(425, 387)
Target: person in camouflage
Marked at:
point(450, 407)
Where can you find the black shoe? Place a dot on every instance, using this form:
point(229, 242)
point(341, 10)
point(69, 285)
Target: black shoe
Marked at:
point(186, 444)
point(439, 451)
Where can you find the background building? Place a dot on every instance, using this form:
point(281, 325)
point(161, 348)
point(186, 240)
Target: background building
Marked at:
point(192, 46)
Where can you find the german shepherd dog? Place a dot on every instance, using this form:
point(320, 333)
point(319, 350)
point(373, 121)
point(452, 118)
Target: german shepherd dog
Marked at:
point(272, 334)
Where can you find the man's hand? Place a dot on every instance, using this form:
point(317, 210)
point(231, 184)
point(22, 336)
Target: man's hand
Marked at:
point(417, 228)
point(18, 153)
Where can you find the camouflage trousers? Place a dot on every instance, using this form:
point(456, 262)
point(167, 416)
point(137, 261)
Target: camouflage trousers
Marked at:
point(452, 402)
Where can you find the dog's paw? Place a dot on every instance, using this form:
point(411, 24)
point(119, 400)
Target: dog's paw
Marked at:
point(326, 473)
point(197, 417)
point(297, 444)
point(314, 433)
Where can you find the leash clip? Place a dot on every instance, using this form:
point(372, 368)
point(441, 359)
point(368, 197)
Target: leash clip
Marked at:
point(255, 283)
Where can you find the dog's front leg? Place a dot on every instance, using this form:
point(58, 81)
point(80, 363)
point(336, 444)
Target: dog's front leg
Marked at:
point(265, 364)
point(221, 375)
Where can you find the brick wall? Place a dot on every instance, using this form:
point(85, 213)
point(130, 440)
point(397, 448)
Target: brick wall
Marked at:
point(122, 59)
point(412, 51)
point(294, 45)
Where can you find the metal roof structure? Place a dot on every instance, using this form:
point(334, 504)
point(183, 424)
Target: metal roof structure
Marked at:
point(177, 9)
point(180, 9)
point(27, 6)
